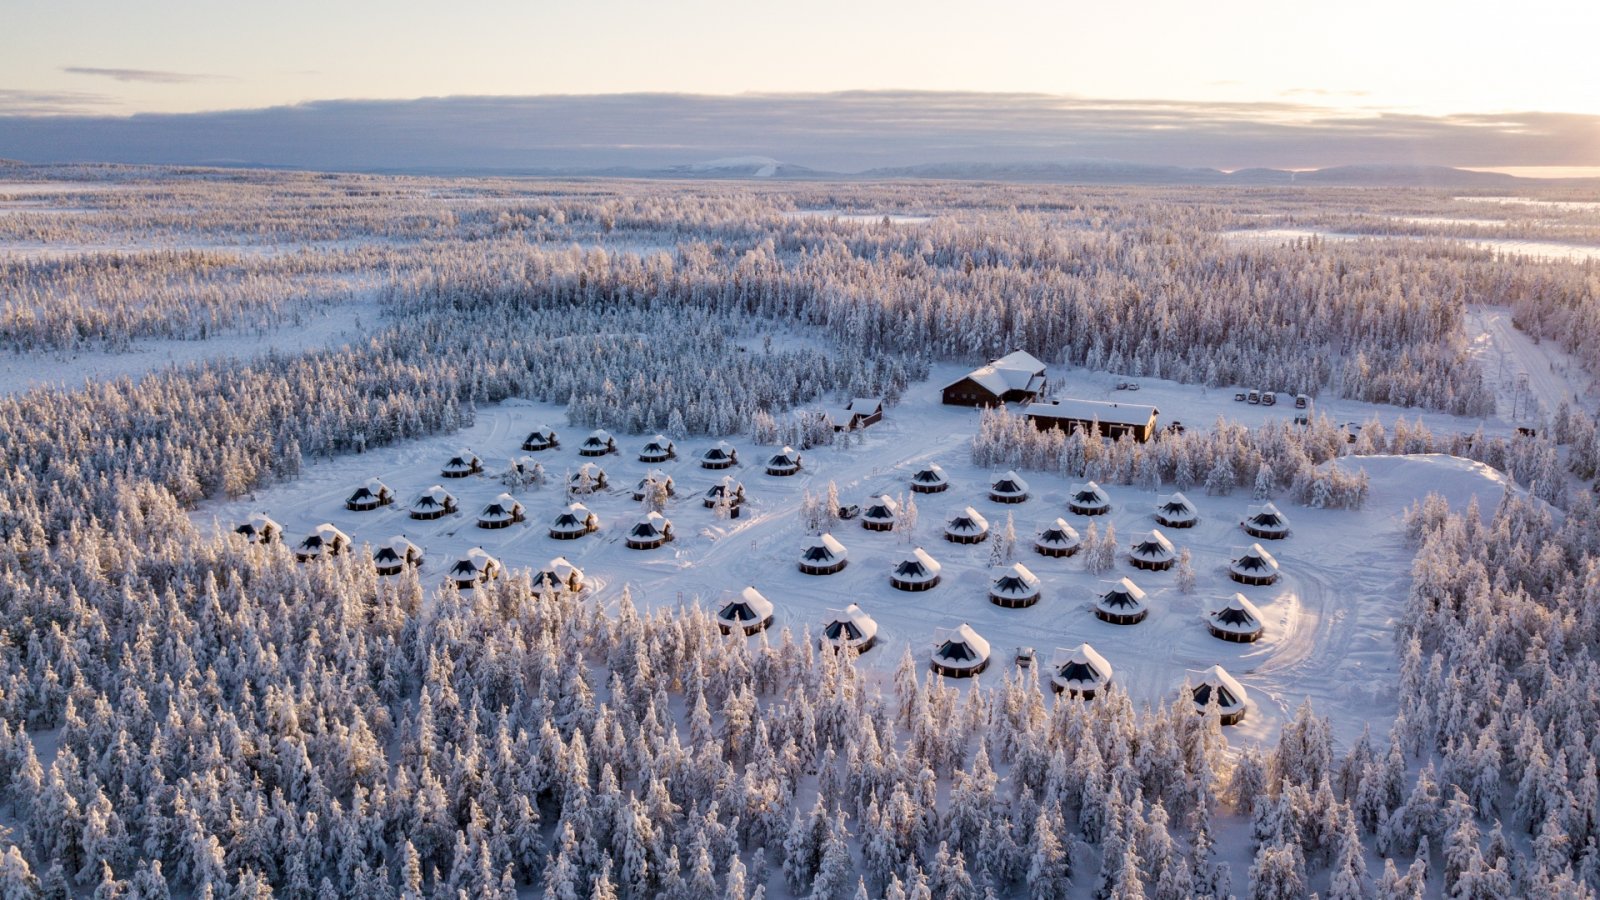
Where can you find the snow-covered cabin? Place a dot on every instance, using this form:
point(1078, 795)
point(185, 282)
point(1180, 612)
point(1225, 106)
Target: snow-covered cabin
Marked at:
point(1152, 552)
point(748, 613)
point(324, 540)
point(1237, 620)
point(369, 496)
point(501, 512)
point(1230, 694)
point(462, 464)
point(647, 485)
point(1266, 522)
point(1079, 671)
point(475, 568)
point(260, 529)
point(1017, 377)
point(849, 627)
point(784, 462)
point(526, 470)
point(721, 455)
point(1122, 604)
point(658, 449)
point(392, 556)
point(558, 575)
point(1008, 488)
point(434, 503)
point(822, 555)
point(541, 438)
point(1254, 566)
point(598, 443)
point(588, 479)
point(574, 522)
point(651, 531)
point(959, 652)
point(917, 572)
point(1057, 539)
point(729, 489)
point(930, 479)
point(966, 527)
point(1113, 420)
point(1014, 587)
point(1088, 499)
point(880, 514)
point(1176, 511)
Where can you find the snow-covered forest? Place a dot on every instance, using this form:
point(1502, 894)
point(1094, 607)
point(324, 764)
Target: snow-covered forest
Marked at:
point(185, 713)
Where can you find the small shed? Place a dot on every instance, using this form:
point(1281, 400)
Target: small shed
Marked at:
point(1122, 604)
point(392, 556)
point(1229, 694)
point(324, 540)
point(476, 568)
point(1014, 587)
point(747, 613)
point(1088, 499)
point(917, 572)
point(1266, 522)
point(462, 464)
point(728, 490)
point(959, 652)
point(1079, 671)
point(1254, 566)
point(784, 462)
point(1237, 620)
point(598, 443)
point(658, 449)
point(849, 627)
point(501, 512)
point(1153, 552)
point(1057, 539)
point(369, 496)
point(558, 575)
point(1008, 488)
point(822, 555)
point(651, 480)
point(434, 503)
point(260, 529)
point(880, 514)
point(930, 479)
point(967, 527)
point(574, 522)
point(651, 531)
point(541, 438)
point(1176, 511)
point(720, 455)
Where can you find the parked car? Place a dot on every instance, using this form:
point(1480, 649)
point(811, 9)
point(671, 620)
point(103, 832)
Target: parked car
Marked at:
point(1025, 657)
point(1175, 427)
point(1301, 401)
point(1239, 396)
point(1269, 399)
point(1255, 397)
point(849, 512)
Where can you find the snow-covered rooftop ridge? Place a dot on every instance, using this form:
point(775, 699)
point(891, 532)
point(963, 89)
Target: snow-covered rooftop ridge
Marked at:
point(962, 634)
point(1082, 654)
point(1093, 410)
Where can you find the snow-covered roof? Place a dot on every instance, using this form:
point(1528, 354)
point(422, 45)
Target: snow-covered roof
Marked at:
point(659, 442)
point(865, 406)
point(592, 470)
point(1009, 483)
point(967, 522)
point(728, 486)
point(1094, 410)
point(749, 606)
point(649, 525)
point(1255, 559)
point(435, 496)
point(259, 522)
point(1088, 494)
point(1059, 534)
point(916, 567)
point(396, 549)
point(476, 561)
point(932, 474)
point(1237, 615)
point(719, 450)
point(1267, 515)
point(1015, 581)
point(1153, 547)
point(1079, 668)
point(786, 456)
point(849, 625)
point(463, 457)
point(563, 569)
point(1230, 693)
point(1175, 505)
point(597, 438)
point(1016, 371)
point(822, 548)
point(881, 507)
point(1122, 597)
point(1019, 359)
point(959, 647)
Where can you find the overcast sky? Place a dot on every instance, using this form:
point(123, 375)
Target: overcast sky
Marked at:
point(1233, 70)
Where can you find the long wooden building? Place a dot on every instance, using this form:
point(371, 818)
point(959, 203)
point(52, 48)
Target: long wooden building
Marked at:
point(1112, 420)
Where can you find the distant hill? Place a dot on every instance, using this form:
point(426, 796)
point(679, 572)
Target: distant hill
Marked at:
point(1114, 172)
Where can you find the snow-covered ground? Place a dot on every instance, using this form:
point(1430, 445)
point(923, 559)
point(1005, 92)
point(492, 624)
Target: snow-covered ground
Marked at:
point(1527, 375)
point(1329, 619)
point(1537, 249)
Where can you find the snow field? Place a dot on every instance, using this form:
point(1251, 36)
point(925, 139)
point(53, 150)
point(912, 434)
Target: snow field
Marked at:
point(1329, 618)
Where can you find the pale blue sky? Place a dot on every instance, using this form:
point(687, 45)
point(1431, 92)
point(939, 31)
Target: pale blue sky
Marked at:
point(73, 56)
